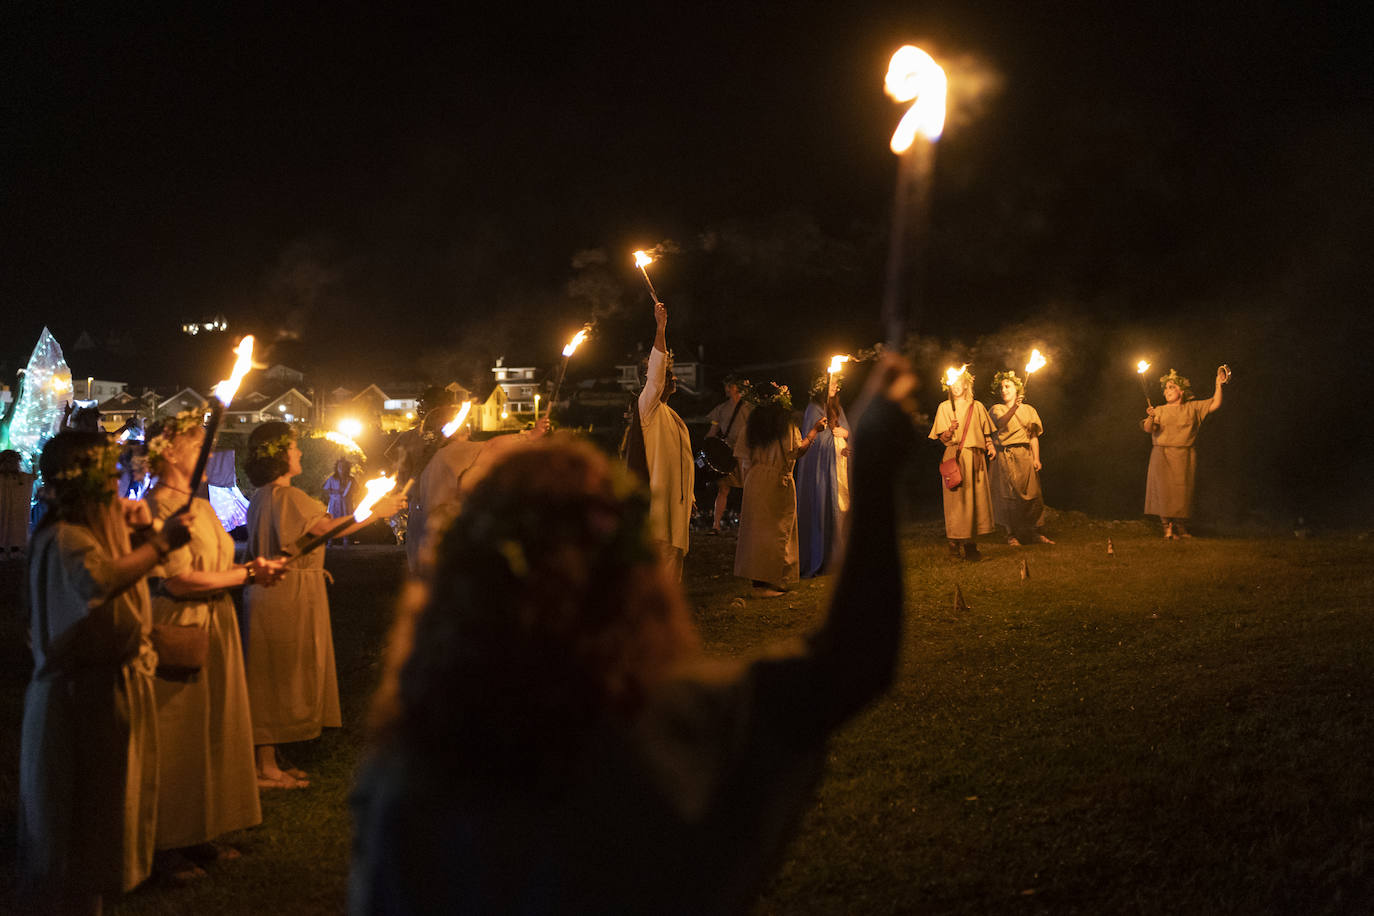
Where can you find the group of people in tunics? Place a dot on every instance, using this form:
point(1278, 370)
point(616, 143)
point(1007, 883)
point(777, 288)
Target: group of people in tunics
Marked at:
point(154, 712)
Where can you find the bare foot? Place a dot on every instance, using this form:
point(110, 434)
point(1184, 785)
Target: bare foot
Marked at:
point(1013, 542)
point(1042, 539)
point(760, 592)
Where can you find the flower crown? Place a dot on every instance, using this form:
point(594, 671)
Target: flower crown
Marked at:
point(1007, 376)
point(171, 428)
point(771, 394)
point(821, 384)
point(87, 478)
point(273, 448)
point(1183, 384)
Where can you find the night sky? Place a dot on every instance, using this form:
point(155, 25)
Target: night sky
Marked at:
point(413, 192)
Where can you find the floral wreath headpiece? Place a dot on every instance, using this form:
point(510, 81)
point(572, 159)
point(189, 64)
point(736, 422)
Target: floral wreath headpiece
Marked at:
point(1007, 376)
point(1183, 384)
point(171, 428)
point(273, 448)
point(87, 478)
point(821, 383)
point(772, 394)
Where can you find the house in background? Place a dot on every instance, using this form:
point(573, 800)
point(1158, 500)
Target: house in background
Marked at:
point(519, 384)
point(183, 400)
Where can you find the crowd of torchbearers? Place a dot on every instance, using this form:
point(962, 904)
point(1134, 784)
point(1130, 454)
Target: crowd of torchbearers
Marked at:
point(544, 667)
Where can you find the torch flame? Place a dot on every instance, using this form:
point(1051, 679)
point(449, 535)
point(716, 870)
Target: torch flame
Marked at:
point(452, 427)
point(344, 440)
point(226, 389)
point(953, 375)
point(575, 342)
point(376, 489)
point(1036, 362)
point(642, 259)
point(1142, 367)
point(914, 74)
point(836, 362)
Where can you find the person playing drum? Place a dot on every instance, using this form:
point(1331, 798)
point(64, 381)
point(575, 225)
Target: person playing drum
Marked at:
point(727, 424)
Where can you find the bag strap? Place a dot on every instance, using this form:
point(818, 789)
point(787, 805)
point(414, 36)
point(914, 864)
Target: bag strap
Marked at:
point(738, 405)
point(968, 418)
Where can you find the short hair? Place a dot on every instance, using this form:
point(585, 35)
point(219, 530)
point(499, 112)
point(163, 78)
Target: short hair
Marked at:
point(267, 452)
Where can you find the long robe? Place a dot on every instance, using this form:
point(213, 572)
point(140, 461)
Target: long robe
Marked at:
point(435, 498)
point(1017, 502)
point(1173, 462)
point(822, 477)
point(88, 754)
point(292, 683)
point(342, 495)
point(968, 510)
point(206, 775)
point(767, 546)
point(668, 451)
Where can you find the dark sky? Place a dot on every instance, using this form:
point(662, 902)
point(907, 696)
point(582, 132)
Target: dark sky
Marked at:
point(407, 190)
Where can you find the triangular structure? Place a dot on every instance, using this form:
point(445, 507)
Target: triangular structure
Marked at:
point(46, 390)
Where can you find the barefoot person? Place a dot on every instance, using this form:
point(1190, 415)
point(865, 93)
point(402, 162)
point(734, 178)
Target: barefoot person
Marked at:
point(206, 778)
point(88, 752)
point(1017, 503)
point(292, 684)
point(1173, 428)
point(549, 735)
point(965, 430)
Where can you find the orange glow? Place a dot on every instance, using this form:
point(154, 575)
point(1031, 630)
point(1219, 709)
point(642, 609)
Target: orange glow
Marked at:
point(227, 388)
point(912, 74)
point(1142, 367)
point(575, 342)
point(642, 259)
point(376, 489)
point(345, 440)
point(452, 427)
point(1036, 362)
point(953, 375)
point(836, 363)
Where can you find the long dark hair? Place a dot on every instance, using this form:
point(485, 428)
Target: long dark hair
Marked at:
point(767, 424)
point(266, 459)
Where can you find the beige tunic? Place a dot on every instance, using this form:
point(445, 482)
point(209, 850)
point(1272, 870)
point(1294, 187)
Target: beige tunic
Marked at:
point(767, 547)
point(668, 452)
point(435, 498)
point(207, 780)
point(88, 755)
point(968, 510)
point(1017, 502)
point(292, 684)
point(1173, 463)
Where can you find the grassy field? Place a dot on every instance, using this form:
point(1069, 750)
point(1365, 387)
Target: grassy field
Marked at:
point(1180, 727)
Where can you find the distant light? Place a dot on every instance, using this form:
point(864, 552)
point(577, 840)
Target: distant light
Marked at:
point(281, 407)
point(290, 416)
point(350, 427)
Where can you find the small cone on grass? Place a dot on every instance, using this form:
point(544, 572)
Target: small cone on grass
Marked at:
point(1025, 570)
point(959, 603)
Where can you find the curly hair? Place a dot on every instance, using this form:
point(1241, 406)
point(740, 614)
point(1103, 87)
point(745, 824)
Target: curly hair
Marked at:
point(165, 431)
point(1185, 387)
point(546, 610)
point(267, 452)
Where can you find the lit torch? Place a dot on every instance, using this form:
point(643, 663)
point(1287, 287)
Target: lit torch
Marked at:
point(220, 398)
point(572, 346)
point(642, 261)
point(1037, 362)
point(376, 489)
point(1141, 368)
point(836, 364)
point(912, 76)
point(952, 377)
point(456, 423)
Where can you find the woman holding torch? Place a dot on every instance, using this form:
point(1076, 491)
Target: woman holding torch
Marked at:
point(1173, 428)
point(205, 729)
point(1017, 503)
point(88, 755)
point(965, 430)
point(290, 652)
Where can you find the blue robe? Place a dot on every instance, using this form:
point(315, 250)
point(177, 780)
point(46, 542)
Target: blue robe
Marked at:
point(817, 496)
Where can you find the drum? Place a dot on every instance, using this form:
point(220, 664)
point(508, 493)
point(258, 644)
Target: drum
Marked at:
point(715, 459)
